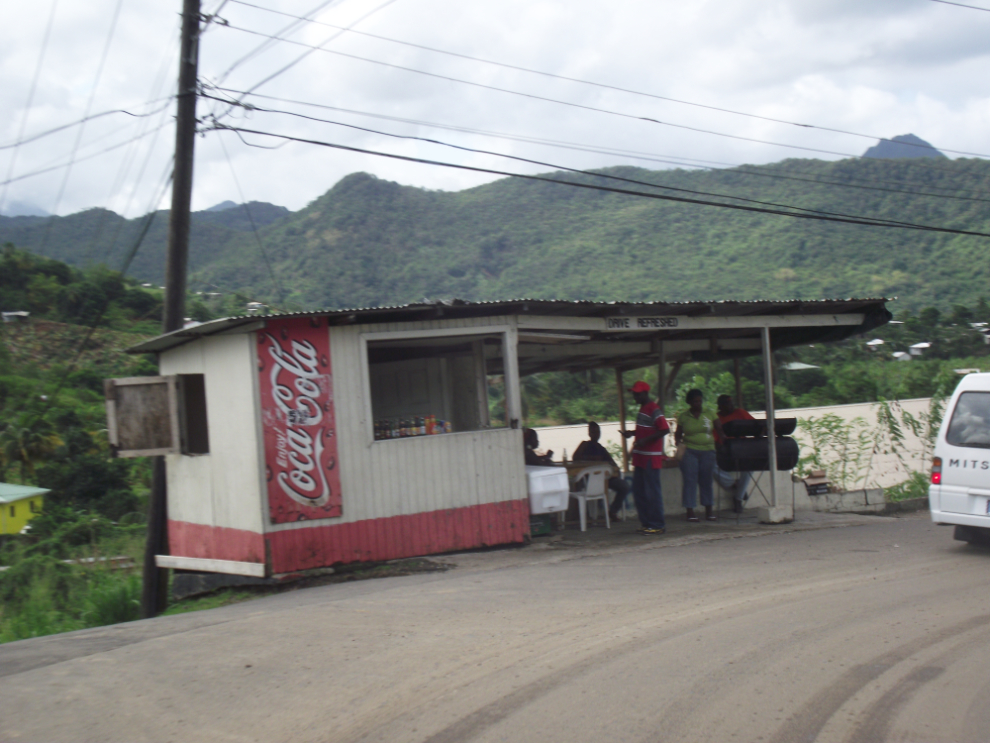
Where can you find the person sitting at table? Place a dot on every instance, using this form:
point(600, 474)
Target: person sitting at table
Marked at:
point(592, 451)
point(735, 482)
point(531, 441)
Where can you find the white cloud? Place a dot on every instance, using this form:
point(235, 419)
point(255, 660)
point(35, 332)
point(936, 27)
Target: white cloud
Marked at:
point(882, 68)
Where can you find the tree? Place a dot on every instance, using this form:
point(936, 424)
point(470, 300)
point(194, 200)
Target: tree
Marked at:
point(26, 441)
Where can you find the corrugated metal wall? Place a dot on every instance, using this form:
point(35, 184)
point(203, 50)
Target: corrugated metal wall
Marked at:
point(401, 477)
point(222, 487)
point(400, 498)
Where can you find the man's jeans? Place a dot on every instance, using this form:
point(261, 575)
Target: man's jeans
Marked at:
point(735, 482)
point(649, 499)
point(696, 472)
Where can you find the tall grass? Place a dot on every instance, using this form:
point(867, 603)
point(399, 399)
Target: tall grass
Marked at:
point(42, 594)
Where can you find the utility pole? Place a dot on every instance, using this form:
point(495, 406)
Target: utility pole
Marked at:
point(154, 593)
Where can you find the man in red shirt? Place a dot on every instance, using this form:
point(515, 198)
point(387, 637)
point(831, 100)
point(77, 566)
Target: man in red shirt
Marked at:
point(647, 459)
point(735, 482)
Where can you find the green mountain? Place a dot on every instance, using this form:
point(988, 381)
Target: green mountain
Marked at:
point(368, 242)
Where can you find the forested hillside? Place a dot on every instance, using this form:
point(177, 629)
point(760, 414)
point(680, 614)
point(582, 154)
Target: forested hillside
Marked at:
point(368, 242)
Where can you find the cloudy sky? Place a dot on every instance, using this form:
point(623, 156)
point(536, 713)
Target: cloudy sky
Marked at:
point(877, 68)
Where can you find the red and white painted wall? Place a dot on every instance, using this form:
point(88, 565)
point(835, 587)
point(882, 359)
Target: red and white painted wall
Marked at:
point(295, 480)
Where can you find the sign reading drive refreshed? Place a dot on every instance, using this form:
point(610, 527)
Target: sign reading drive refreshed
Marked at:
point(640, 323)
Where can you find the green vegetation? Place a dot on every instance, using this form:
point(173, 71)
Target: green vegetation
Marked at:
point(59, 576)
point(53, 435)
point(368, 242)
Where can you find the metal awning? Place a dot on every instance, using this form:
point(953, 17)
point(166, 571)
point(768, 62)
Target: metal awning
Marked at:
point(561, 335)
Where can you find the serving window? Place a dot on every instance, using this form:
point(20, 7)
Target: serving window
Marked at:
point(433, 385)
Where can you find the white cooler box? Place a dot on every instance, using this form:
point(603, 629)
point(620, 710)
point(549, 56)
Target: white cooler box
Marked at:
point(548, 489)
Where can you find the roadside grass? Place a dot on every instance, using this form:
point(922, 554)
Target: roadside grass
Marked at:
point(63, 583)
point(221, 597)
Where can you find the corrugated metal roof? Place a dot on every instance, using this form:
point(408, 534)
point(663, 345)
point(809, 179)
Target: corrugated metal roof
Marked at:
point(10, 493)
point(459, 308)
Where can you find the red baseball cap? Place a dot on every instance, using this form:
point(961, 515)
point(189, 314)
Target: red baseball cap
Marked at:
point(640, 386)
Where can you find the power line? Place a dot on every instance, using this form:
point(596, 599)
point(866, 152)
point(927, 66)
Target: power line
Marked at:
point(42, 171)
point(633, 154)
point(30, 99)
point(81, 129)
point(534, 96)
point(91, 328)
point(865, 221)
point(311, 48)
point(605, 86)
point(85, 119)
point(961, 5)
point(254, 228)
point(268, 42)
point(573, 170)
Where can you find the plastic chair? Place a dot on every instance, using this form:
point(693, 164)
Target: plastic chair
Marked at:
point(590, 484)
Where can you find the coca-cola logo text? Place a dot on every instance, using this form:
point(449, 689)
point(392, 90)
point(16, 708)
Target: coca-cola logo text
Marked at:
point(299, 391)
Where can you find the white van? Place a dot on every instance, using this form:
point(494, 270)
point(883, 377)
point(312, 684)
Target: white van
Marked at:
point(959, 493)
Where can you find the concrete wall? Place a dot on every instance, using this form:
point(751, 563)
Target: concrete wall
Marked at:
point(886, 470)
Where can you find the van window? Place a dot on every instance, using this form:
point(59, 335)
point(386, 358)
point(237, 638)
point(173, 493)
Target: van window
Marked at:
point(970, 424)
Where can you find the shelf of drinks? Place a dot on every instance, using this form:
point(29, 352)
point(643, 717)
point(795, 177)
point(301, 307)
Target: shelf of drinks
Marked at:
point(401, 428)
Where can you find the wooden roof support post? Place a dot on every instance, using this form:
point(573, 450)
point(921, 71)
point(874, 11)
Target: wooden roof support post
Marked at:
point(622, 419)
point(736, 373)
point(513, 389)
point(771, 419)
point(661, 375)
point(673, 377)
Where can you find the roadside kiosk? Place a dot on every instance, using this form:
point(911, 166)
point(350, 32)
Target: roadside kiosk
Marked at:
point(278, 429)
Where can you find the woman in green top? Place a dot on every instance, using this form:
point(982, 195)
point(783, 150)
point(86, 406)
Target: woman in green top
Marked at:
point(695, 429)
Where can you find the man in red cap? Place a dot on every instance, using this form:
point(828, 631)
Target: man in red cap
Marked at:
point(647, 458)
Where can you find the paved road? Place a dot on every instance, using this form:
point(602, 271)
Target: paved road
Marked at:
point(877, 632)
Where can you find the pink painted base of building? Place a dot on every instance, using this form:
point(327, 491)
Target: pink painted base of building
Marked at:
point(326, 544)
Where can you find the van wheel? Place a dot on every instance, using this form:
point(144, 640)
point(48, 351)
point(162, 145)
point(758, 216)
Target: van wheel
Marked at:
point(973, 535)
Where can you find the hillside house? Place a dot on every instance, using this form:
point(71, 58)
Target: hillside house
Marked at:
point(18, 505)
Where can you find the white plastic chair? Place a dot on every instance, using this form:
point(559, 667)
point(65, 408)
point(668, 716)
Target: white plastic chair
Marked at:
point(590, 484)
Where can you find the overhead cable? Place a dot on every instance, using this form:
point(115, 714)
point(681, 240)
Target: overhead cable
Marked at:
point(310, 48)
point(676, 160)
point(42, 171)
point(605, 86)
point(79, 132)
point(254, 227)
point(77, 122)
point(865, 221)
point(534, 96)
point(961, 5)
point(555, 166)
point(30, 100)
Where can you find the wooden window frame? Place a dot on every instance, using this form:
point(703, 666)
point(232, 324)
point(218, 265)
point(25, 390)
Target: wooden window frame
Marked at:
point(171, 383)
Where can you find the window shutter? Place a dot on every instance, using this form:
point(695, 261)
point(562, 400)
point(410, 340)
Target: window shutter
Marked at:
point(143, 416)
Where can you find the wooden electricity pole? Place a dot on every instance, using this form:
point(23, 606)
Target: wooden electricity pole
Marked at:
point(154, 594)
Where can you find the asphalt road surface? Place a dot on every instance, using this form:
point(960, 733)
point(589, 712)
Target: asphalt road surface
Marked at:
point(876, 632)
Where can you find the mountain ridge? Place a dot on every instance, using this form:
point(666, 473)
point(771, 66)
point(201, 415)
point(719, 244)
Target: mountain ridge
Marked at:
point(369, 242)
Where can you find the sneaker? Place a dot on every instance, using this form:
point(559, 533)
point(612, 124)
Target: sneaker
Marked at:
point(650, 530)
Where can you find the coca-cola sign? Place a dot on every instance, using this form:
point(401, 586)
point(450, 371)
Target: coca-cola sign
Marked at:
point(297, 418)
